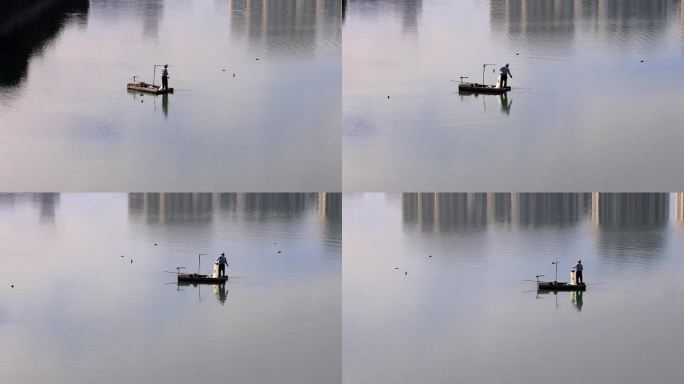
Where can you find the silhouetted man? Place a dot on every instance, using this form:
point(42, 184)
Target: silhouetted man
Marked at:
point(578, 272)
point(222, 264)
point(165, 77)
point(505, 72)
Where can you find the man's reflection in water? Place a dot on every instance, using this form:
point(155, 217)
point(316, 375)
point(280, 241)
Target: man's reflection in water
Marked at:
point(165, 104)
point(221, 293)
point(505, 103)
point(576, 298)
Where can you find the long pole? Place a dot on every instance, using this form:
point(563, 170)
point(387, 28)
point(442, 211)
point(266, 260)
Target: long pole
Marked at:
point(199, 257)
point(556, 263)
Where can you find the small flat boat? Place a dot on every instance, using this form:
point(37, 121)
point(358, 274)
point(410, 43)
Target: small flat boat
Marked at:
point(560, 286)
point(555, 286)
point(194, 278)
point(148, 88)
point(481, 88)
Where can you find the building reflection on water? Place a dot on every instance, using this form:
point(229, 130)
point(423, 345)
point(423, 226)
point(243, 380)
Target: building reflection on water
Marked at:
point(201, 208)
point(408, 10)
point(291, 26)
point(626, 226)
point(45, 203)
point(444, 212)
point(149, 12)
point(558, 21)
point(632, 226)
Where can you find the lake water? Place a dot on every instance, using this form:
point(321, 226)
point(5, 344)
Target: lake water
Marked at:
point(584, 114)
point(80, 312)
point(466, 315)
point(67, 122)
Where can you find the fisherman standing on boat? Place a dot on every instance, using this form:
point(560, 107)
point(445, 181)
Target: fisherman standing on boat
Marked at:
point(578, 272)
point(222, 264)
point(165, 77)
point(505, 72)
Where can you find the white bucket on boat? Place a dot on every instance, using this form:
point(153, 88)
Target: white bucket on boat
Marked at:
point(573, 277)
point(215, 272)
point(498, 81)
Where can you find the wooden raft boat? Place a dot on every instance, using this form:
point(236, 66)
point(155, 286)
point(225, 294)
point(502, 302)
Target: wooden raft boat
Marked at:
point(148, 88)
point(195, 278)
point(559, 286)
point(481, 88)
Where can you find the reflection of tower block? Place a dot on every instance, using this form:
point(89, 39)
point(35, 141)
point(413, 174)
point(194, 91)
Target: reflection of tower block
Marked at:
point(215, 272)
point(573, 277)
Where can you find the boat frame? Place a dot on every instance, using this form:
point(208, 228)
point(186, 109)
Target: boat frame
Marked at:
point(554, 286)
point(472, 88)
point(194, 278)
point(148, 88)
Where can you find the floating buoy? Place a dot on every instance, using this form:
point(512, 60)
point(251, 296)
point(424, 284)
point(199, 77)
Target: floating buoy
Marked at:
point(141, 101)
point(223, 70)
point(388, 97)
point(517, 54)
point(280, 252)
point(131, 261)
point(642, 61)
point(429, 255)
point(233, 75)
point(155, 243)
point(257, 59)
point(405, 273)
point(396, 268)
point(12, 285)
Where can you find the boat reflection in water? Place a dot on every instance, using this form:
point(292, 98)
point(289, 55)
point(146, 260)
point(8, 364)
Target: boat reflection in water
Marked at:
point(576, 300)
point(505, 102)
point(219, 290)
point(576, 297)
point(139, 98)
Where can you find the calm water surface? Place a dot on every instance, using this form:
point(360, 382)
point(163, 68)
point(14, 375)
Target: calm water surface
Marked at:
point(79, 312)
point(465, 315)
point(67, 122)
point(585, 112)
